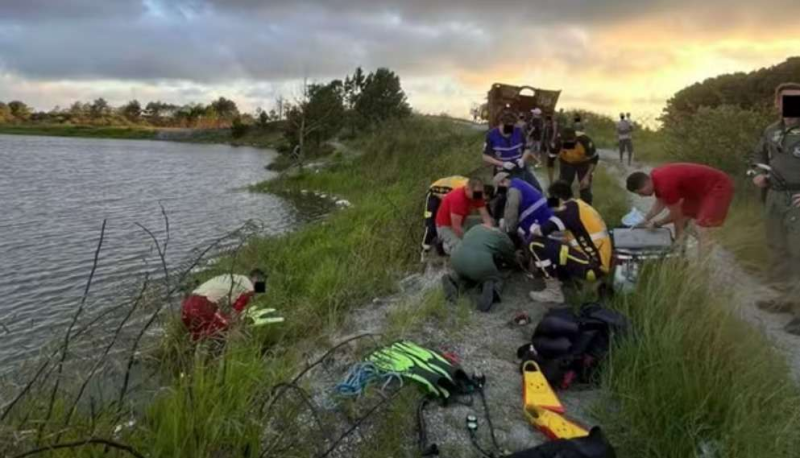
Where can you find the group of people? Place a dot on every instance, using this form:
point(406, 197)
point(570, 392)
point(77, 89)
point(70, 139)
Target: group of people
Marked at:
point(556, 234)
point(483, 227)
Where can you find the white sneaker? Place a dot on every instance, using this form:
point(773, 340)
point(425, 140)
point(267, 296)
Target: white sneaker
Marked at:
point(551, 294)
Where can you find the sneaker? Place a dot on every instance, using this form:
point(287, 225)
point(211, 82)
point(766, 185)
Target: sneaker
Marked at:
point(775, 305)
point(486, 299)
point(793, 327)
point(450, 288)
point(551, 294)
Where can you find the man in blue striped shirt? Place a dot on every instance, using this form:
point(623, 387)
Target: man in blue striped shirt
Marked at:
point(507, 150)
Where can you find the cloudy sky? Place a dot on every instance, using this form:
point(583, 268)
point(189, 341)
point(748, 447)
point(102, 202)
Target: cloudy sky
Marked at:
point(606, 55)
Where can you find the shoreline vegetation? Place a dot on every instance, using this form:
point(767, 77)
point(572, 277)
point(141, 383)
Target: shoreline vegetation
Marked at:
point(693, 380)
point(697, 382)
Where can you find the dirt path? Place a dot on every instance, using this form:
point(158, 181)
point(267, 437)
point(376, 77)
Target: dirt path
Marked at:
point(727, 274)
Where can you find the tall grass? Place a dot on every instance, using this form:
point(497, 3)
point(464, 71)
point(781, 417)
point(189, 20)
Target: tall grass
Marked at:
point(316, 276)
point(693, 375)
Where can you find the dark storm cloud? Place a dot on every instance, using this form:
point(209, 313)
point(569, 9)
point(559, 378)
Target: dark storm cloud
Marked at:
point(221, 40)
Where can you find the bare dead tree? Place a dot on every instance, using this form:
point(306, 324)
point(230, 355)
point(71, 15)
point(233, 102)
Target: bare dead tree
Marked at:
point(102, 358)
point(65, 348)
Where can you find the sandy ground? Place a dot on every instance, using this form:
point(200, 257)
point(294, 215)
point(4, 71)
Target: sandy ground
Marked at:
point(484, 342)
point(729, 275)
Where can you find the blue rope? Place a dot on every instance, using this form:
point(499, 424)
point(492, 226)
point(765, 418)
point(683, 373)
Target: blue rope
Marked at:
point(362, 375)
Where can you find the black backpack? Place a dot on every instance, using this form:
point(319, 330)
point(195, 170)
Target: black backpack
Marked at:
point(595, 445)
point(570, 346)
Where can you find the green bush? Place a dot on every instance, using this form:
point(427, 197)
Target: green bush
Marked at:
point(721, 137)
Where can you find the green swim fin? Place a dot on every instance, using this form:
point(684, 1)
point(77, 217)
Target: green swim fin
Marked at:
point(437, 375)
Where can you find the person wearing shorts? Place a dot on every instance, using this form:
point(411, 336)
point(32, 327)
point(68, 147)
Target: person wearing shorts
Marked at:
point(690, 192)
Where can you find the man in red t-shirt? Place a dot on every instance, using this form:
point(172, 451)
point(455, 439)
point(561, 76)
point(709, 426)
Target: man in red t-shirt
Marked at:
point(455, 208)
point(688, 191)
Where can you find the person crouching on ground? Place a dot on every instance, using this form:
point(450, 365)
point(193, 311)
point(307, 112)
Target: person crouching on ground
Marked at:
point(436, 192)
point(454, 210)
point(689, 192)
point(476, 261)
point(585, 253)
point(209, 309)
point(524, 207)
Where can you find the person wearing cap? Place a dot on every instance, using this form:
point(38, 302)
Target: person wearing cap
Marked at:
point(506, 149)
point(454, 210)
point(577, 157)
point(585, 252)
point(525, 206)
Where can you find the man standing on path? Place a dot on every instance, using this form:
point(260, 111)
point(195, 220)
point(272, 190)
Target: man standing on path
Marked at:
point(454, 210)
point(780, 149)
point(506, 149)
point(577, 156)
point(688, 191)
point(625, 138)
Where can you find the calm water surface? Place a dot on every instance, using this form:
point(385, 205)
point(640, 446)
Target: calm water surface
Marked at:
point(55, 193)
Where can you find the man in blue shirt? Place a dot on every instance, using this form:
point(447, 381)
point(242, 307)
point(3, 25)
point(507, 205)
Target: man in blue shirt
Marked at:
point(525, 207)
point(506, 150)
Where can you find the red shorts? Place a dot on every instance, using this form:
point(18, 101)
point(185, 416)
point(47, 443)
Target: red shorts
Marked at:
point(712, 209)
point(202, 317)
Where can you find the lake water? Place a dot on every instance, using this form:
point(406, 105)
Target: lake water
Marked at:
point(55, 193)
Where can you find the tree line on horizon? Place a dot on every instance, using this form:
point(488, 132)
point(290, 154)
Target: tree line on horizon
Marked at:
point(317, 113)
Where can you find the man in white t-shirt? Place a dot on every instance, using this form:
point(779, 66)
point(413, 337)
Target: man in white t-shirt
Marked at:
point(625, 137)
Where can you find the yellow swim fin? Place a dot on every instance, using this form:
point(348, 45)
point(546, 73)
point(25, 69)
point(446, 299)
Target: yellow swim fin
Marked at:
point(553, 425)
point(536, 391)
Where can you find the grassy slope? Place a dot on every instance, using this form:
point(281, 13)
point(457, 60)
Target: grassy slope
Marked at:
point(695, 373)
point(317, 275)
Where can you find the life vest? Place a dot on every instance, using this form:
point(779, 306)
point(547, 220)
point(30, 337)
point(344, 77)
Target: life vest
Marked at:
point(442, 186)
point(592, 236)
point(533, 207)
point(582, 152)
point(507, 149)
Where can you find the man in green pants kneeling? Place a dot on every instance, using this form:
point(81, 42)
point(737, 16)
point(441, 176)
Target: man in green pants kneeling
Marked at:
point(476, 262)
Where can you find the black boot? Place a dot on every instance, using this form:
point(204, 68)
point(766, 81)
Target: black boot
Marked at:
point(451, 290)
point(793, 327)
point(486, 298)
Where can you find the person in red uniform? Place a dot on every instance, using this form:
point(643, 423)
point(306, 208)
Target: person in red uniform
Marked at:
point(690, 192)
point(207, 312)
point(455, 208)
